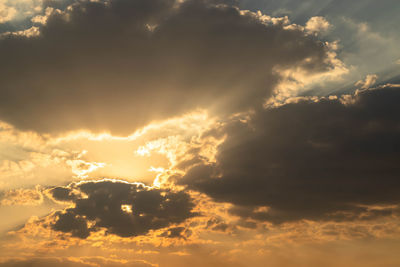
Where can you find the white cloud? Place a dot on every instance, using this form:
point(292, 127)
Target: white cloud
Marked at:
point(369, 80)
point(19, 9)
point(317, 25)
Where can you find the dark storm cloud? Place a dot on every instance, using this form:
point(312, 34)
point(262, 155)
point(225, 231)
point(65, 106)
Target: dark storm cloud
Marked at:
point(62, 194)
point(123, 209)
point(119, 65)
point(310, 160)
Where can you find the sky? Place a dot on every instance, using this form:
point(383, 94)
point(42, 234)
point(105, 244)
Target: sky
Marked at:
point(199, 133)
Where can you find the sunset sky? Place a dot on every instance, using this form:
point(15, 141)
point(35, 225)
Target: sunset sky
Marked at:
point(199, 133)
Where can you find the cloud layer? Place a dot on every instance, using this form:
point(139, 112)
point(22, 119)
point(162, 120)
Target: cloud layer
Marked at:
point(71, 262)
point(332, 159)
point(25, 197)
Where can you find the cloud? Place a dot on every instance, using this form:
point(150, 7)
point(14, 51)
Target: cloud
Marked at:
point(122, 208)
point(317, 25)
point(324, 160)
point(370, 80)
point(71, 262)
point(28, 159)
point(7, 13)
point(117, 66)
point(176, 232)
point(25, 197)
point(18, 10)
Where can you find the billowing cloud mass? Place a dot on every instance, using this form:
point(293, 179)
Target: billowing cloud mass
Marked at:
point(175, 133)
point(122, 208)
point(101, 65)
point(332, 159)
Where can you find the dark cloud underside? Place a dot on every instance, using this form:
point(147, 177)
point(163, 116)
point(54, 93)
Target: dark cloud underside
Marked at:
point(121, 208)
point(120, 65)
point(310, 160)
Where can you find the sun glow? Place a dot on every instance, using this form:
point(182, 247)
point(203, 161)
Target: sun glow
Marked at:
point(126, 208)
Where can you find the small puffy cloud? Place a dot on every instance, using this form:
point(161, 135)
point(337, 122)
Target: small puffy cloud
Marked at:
point(42, 19)
point(370, 80)
point(82, 168)
point(319, 160)
point(317, 25)
point(124, 209)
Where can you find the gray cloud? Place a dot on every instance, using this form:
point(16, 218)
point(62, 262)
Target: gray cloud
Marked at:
point(310, 160)
point(120, 65)
point(123, 209)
